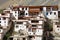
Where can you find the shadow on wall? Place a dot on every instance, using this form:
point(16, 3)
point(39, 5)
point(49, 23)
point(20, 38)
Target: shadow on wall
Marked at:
point(47, 32)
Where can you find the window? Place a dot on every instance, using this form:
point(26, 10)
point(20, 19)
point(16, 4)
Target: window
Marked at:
point(16, 26)
point(21, 13)
point(22, 8)
point(58, 13)
point(0, 21)
point(4, 18)
point(34, 21)
point(50, 13)
point(41, 8)
point(26, 8)
point(58, 26)
point(12, 39)
point(26, 13)
point(47, 13)
point(30, 36)
point(34, 25)
point(23, 38)
point(3, 14)
point(15, 11)
point(19, 22)
point(54, 13)
point(18, 39)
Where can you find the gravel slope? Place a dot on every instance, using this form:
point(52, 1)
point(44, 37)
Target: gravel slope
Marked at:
point(29, 2)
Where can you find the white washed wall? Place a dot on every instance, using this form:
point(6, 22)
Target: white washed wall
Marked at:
point(52, 16)
point(4, 22)
point(20, 26)
point(38, 38)
point(39, 32)
point(15, 14)
point(57, 29)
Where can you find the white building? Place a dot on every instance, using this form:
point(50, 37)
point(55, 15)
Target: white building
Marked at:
point(57, 28)
point(51, 12)
point(29, 21)
point(4, 19)
point(19, 25)
point(24, 17)
point(21, 12)
point(4, 23)
point(35, 29)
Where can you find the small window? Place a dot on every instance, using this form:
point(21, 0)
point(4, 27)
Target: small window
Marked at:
point(16, 26)
point(21, 13)
point(23, 38)
point(26, 13)
point(17, 39)
point(47, 13)
point(12, 39)
point(0, 21)
point(19, 22)
point(41, 8)
point(50, 13)
point(34, 25)
point(26, 8)
point(54, 13)
point(34, 21)
point(22, 8)
point(58, 13)
point(4, 18)
point(58, 26)
point(3, 14)
point(15, 11)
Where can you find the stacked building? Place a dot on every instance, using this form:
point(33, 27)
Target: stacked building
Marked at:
point(4, 23)
point(28, 21)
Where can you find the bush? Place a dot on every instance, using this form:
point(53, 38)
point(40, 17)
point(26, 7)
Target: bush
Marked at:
point(1, 10)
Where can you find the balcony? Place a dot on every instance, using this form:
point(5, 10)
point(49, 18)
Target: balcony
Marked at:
point(36, 22)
